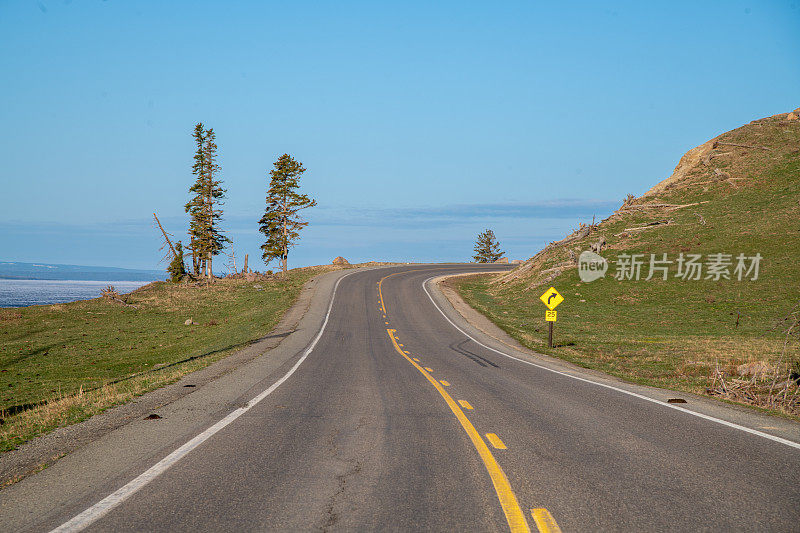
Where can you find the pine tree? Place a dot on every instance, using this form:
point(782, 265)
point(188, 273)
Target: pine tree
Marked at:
point(176, 268)
point(195, 206)
point(207, 240)
point(281, 223)
point(487, 249)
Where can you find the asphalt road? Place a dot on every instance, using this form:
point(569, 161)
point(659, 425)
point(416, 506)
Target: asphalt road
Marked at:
point(396, 420)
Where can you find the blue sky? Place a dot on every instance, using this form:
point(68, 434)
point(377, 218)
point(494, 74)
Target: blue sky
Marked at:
point(420, 123)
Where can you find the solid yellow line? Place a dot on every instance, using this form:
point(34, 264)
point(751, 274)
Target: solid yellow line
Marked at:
point(508, 501)
point(380, 286)
point(496, 442)
point(545, 521)
point(445, 383)
point(465, 404)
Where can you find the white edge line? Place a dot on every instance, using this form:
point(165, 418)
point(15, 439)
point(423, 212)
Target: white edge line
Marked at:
point(623, 391)
point(101, 508)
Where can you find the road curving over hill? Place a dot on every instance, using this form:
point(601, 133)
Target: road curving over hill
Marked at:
point(393, 415)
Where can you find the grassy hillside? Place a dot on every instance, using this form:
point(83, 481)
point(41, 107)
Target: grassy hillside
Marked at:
point(738, 193)
point(62, 363)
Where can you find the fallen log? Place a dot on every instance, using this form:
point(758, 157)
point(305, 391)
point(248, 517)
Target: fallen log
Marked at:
point(662, 206)
point(742, 145)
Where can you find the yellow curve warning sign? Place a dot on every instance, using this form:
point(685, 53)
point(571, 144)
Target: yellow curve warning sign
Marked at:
point(551, 298)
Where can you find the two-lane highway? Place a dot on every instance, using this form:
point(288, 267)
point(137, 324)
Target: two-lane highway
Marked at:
point(397, 420)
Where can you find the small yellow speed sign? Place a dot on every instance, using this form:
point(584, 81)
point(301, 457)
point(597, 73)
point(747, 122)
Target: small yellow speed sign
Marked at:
point(551, 298)
point(550, 316)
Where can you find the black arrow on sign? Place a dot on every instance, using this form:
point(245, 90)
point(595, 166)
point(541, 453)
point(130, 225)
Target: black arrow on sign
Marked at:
point(550, 298)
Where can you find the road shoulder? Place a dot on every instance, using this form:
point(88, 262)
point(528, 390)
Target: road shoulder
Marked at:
point(87, 458)
point(485, 331)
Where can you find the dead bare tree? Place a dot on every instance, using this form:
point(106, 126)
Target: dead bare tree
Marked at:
point(110, 293)
point(232, 262)
point(171, 254)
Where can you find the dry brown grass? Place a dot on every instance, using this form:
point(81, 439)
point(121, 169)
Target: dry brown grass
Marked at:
point(9, 315)
point(68, 409)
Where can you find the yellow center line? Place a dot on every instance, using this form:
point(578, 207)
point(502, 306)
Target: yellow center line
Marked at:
point(508, 501)
point(545, 521)
point(429, 369)
point(380, 286)
point(380, 295)
point(496, 442)
point(465, 404)
point(415, 359)
point(445, 383)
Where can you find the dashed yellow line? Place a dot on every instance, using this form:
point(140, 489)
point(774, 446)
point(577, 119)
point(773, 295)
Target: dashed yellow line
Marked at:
point(429, 369)
point(380, 294)
point(445, 383)
point(380, 288)
point(508, 500)
point(496, 442)
point(545, 521)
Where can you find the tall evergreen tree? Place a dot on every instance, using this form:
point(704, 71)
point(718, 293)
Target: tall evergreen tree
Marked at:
point(487, 249)
point(281, 223)
point(204, 208)
point(195, 206)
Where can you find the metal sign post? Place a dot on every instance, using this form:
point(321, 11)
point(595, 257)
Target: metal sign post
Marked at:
point(551, 317)
point(551, 298)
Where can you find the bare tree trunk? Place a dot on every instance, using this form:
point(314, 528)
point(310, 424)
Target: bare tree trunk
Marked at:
point(245, 269)
point(195, 261)
point(285, 237)
point(210, 214)
point(166, 237)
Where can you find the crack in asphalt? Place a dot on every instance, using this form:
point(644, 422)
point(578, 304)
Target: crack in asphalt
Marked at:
point(331, 516)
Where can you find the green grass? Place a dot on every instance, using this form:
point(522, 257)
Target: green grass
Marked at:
point(73, 360)
point(675, 333)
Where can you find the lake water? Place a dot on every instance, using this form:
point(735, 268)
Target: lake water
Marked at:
point(25, 292)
